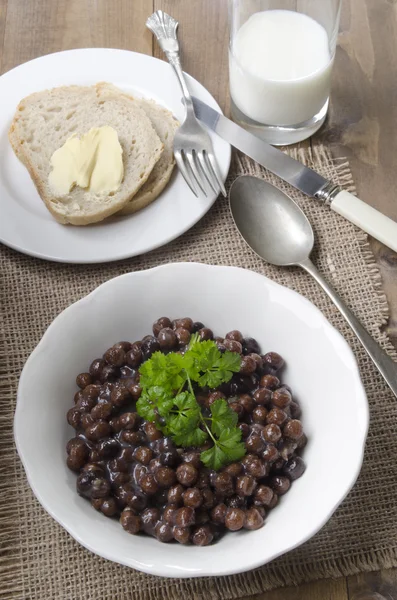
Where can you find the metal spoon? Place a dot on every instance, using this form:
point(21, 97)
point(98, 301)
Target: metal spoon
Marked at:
point(278, 231)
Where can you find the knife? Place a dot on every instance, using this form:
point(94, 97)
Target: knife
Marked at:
point(304, 179)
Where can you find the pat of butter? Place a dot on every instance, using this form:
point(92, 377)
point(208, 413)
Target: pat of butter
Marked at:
point(94, 162)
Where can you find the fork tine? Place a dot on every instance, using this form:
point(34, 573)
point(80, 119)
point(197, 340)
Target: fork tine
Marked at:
point(185, 174)
point(207, 173)
point(196, 174)
point(215, 171)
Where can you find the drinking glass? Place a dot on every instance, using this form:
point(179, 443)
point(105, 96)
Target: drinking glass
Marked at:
point(281, 54)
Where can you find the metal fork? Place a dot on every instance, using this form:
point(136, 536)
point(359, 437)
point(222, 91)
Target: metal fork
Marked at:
point(193, 149)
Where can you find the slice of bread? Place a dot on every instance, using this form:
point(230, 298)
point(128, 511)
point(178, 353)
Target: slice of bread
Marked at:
point(165, 125)
point(45, 120)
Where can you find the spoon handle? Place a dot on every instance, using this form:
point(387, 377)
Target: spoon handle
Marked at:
point(387, 367)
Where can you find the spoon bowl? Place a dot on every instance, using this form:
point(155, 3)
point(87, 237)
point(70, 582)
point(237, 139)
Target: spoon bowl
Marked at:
point(278, 231)
point(271, 223)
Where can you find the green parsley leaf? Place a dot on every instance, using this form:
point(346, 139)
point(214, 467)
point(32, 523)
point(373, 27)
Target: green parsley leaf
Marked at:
point(175, 373)
point(164, 370)
point(222, 370)
point(153, 401)
point(154, 371)
point(223, 417)
point(186, 416)
point(164, 406)
point(168, 399)
point(228, 448)
point(204, 355)
point(230, 363)
point(205, 364)
point(213, 458)
point(145, 408)
point(197, 437)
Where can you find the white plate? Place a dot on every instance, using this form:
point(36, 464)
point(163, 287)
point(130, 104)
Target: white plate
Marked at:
point(25, 223)
point(321, 371)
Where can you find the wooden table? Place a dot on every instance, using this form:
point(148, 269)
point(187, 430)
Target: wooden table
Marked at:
point(361, 125)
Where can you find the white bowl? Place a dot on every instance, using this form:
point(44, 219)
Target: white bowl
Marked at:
point(321, 370)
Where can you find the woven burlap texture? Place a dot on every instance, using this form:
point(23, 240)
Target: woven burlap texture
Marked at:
point(40, 560)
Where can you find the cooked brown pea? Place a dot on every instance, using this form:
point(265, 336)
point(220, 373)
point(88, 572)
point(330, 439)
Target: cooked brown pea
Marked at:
point(152, 433)
point(234, 519)
point(148, 484)
point(233, 346)
point(273, 360)
point(109, 507)
point(257, 468)
point(192, 497)
point(259, 414)
point(185, 323)
point(205, 334)
point(134, 357)
point(293, 429)
point(276, 416)
point(161, 324)
point(263, 495)
point(271, 433)
point(115, 356)
point(167, 338)
point(83, 380)
point(245, 485)
point(175, 494)
point(187, 474)
point(181, 534)
point(294, 468)
point(163, 532)
point(165, 476)
point(235, 335)
point(271, 382)
point(102, 411)
point(281, 398)
point(202, 536)
point(130, 521)
point(143, 454)
point(218, 514)
point(262, 396)
point(234, 469)
point(184, 517)
point(183, 336)
point(280, 484)
point(98, 430)
point(73, 417)
point(254, 443)
point(253, 519)
point(223, 483)
point(169, 513)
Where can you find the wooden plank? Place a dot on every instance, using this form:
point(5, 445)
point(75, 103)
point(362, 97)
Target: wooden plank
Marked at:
point(38, 27)
point(363, 114)
point(3, 14)
point(121, 24)
point(381, 585)
point(203, 33)
point(326, 589)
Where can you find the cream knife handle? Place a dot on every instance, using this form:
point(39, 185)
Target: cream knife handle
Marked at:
point(367, 218)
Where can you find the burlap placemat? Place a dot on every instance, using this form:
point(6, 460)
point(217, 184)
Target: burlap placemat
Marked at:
point(40, 560)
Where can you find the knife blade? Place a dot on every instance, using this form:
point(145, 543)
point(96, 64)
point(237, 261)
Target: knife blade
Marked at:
point(301, 177)
point(304, 179)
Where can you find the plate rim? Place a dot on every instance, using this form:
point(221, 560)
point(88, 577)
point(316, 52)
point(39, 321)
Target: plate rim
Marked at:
point(169, 571)
point(124, 255)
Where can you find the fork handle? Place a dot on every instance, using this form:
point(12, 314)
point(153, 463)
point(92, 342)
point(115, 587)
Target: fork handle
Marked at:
point(164, 27)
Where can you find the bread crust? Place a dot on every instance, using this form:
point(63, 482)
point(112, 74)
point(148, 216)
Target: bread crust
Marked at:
point(107, 205)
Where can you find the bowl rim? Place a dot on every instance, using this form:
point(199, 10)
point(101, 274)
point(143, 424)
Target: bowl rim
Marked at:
point(164, 570)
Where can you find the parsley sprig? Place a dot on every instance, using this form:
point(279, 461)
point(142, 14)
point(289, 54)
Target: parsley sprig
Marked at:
point(168, 399)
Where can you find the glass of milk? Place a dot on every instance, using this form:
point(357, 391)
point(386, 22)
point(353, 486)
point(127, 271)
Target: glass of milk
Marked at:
point(281, 54)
